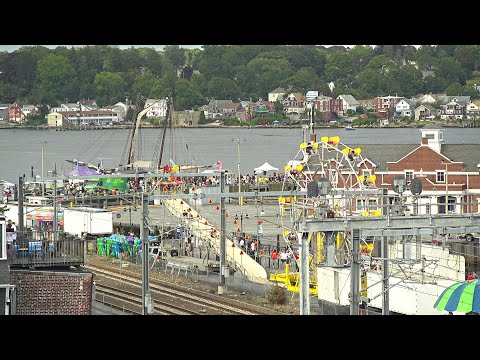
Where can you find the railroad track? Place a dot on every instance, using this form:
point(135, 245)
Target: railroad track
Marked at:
point(132, 302)
point(184, 298)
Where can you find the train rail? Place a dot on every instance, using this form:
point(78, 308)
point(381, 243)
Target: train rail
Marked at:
point(131, 302)
point(182, 297)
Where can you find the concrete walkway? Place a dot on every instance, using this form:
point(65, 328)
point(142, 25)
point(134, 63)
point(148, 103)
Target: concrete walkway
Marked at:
point(209, 233)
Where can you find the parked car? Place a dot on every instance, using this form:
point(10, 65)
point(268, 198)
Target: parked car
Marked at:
point(469, 237)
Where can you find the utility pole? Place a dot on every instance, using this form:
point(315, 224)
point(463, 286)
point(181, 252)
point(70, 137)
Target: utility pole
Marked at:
point(223, 265)
point(355, 273)
point(385, 297)
point(147, 303)
point(21, 225)
point(304, 277)
point(55, 224)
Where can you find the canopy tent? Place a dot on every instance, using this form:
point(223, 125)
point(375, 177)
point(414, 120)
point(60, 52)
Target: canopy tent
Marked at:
point(81, 170)
point(264, 168)
point(6, 184)
point(45, 214)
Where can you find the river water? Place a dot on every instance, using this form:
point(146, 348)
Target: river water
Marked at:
point(22, 148)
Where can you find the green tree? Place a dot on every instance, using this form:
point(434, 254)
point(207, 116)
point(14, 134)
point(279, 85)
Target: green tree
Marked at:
point(9, 93)
point(148, 85)
point(434, 84)
point(260, 76)
point(303, 80)
point(187, 95)
point(222, 88)
point(55, 80)
point(370, 81)
point(242, 54)
point(465, 55)
point(278, 108)
point(471, 91)
point(454, 89)
point(129, 115)
point(303, 56)
point(112, 59)
point(175, 54)
point(202, 120)
point(450, 70)
point(152, 60)
point(109, 88)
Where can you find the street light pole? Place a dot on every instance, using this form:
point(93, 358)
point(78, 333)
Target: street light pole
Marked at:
point(240, 198)
point(43, 181)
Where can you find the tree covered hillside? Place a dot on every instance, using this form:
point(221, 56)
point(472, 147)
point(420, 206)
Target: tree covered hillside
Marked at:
point(39, 75)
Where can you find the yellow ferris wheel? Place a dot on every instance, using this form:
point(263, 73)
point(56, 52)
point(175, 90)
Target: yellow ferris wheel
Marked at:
point(333, 166)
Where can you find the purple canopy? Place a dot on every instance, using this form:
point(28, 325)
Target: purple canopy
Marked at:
point(81, 170)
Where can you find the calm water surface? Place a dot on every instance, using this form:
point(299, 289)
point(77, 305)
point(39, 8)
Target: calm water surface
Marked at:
point(21, 148)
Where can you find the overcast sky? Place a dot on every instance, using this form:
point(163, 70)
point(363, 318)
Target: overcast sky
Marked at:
point(15, 47)
point(158, 47)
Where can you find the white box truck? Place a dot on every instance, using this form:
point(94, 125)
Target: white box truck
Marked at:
point(85, 220)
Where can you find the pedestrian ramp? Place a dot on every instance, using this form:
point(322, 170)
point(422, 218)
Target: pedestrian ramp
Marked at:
point(201, 228)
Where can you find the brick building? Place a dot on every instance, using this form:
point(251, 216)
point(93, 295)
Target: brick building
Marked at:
point(445, 170)
point(43, 292)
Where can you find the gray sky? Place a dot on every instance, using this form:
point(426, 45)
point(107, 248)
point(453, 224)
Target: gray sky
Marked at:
point(11, 48)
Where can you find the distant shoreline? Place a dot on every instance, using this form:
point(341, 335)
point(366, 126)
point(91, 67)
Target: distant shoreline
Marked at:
point(43, 127)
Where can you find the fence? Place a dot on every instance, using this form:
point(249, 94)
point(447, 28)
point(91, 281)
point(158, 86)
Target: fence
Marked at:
point(46, 251)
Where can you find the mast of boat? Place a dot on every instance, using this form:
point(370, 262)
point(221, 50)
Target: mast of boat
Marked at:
point(132, 138)
point(158, 152)
point(128, 153)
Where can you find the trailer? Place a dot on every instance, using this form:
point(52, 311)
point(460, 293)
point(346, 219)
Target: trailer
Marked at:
point(80, 221)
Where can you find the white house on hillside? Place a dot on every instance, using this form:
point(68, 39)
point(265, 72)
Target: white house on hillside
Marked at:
point(276, 95)
point(158, 109)
point(405, 107)
point(349, 103)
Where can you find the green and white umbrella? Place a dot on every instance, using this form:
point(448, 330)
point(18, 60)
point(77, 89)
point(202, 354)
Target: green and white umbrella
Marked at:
point(462, 297)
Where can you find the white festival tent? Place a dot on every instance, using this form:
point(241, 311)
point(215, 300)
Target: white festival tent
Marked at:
point(264, 168)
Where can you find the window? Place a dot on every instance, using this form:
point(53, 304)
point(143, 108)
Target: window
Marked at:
point(334, 175)
point(408, 175)
point(430, 136)
point(427, 209)
point(366, 173)
point(372, 204)
point(360, 204)
point(441, 176)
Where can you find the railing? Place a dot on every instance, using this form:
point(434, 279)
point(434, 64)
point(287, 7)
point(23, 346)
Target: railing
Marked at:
point(46, 252)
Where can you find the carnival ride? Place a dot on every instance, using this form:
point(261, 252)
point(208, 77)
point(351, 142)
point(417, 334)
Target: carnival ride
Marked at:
point(334, 176)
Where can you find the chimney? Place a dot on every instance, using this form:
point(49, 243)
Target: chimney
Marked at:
point(424, 141)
